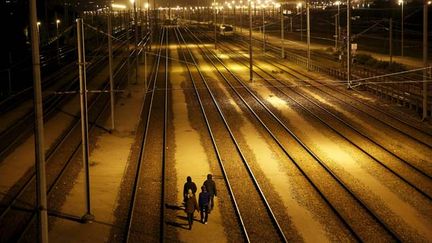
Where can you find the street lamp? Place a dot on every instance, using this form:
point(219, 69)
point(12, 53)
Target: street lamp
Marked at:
point(300, 6)
point(401, 2)
point(337, 26)
point(57, 40)
point(133, 2)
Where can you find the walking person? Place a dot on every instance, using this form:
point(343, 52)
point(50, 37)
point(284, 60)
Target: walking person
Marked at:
point(190, 206)
point(189, 185)
point(210, 186)
point(204, 199)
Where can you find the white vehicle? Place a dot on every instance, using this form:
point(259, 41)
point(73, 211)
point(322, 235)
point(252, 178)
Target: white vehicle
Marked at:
point(226, 30)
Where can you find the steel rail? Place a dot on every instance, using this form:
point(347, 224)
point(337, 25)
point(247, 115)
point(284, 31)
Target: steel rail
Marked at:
point(51, 152)
point(143, 145)
point(319, 160)
point(241, 153)
point(404, 122)
point(332, 128)
point(215, 147)
point(281, 146)
point(70, 158)
point(276, 63)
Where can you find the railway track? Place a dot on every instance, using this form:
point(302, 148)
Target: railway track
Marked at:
point(371, 211)
point(419, 178)
point(51, 103)
point(262, 223)
point(17, 214)
point(146, 217)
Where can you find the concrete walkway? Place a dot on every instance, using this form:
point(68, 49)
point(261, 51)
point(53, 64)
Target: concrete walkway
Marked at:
point(108, 161)
point(191, 160)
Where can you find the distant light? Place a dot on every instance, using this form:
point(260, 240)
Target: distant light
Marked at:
point(38, 23)
point(429, 2)
point(337, 3)
point(146, 5)
point(58, 21)
point(118, 6)
point(132, 1)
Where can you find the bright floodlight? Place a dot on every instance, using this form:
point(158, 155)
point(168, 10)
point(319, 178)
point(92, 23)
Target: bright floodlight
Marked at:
point(118, 6)
point(146, 5)
point(299, 5)
point(132, 1)
point(337, 2)
point(38, 23)
point(58, 21)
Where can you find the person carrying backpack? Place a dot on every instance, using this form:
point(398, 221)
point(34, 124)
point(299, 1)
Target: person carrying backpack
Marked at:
point(210, 186)
point(204, 200)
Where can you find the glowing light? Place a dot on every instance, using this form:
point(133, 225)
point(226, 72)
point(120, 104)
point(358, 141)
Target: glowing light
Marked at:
point(58, 21)
point(118, 6)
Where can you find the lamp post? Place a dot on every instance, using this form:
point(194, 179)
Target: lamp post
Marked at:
point(425, 57)
point(282, 33)
point(41, 197)
point(57, 39)
point(263, 27)
point(250, 42)
point(401, 2)
point(214, 22)
point(300, 6)
point(136, 38)
point(308, 32)
point(348, 38)
point(337, 24)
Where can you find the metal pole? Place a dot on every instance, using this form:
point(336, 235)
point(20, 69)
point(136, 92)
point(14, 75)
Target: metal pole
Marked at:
point(215, 24)
point(84, 118)
point(425, 58)
point(336, 32)
point(308, 34)
point(57, 38)
point(348, 44)
point(282, 33)
point(145, 69)
point(402, 29)
point(136, 40)
point(291, 24)
point(391, 40)
point(301, 22)
point(338, 23)
point(110, 65)
point(250, 44)
point(241, 19)
point(263, 20)
point(127, 46)
point(41, 206)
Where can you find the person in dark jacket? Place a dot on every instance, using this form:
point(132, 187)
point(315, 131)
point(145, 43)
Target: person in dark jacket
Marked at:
point(188, 185)
point(203, 201)
point(210, 186)
point(190, 207)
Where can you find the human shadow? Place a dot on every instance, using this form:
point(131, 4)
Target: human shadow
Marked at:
point(178, 225)
point(186, 219)
point(174, 207)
